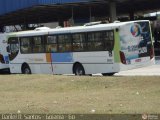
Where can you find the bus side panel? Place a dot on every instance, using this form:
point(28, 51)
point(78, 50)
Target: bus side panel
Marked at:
point(4, 66)
point(37, 64)
point(15, 67)
point(62, 68)
point(96, 62)
point(41, 68)
point(100, 68)
point(62, 63)
point(93, 62)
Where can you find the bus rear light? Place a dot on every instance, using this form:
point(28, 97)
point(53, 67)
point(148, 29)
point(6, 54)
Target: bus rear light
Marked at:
point(122, 56)
point(151, 53)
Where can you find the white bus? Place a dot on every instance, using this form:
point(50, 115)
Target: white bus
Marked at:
point(4, 60)
point(101, 48)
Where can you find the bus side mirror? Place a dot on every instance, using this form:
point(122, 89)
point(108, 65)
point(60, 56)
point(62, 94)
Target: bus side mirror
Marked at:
point(8, 49)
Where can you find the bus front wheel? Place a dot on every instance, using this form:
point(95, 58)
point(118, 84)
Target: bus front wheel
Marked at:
point(79, 70)
point(26, 69)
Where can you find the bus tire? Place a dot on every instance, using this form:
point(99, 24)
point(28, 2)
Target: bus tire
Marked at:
point(78, 69)
point(26, 69)
point(108, 74)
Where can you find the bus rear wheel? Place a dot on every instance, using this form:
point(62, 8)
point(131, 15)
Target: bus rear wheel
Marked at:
point(108, 74)
point(26, 69)
point(79, 70)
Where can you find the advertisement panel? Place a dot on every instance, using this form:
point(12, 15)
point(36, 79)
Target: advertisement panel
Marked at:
point(135, 40)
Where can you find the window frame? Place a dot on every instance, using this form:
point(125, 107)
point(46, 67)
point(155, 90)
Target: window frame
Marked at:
point(46, 43)
point(31, 38)
point(71, 42)
point(42, 45)
point(103, 40)
point(83, 42)
point(10, 42)
point(30, 43)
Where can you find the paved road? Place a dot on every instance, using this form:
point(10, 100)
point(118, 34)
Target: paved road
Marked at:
point(153, 70)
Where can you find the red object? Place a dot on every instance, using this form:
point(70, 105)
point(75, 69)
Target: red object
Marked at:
point(138, 60)
point(151, 53)
point(123, 58)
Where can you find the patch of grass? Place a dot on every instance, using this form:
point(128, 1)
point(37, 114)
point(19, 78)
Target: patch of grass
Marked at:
point(73, 94)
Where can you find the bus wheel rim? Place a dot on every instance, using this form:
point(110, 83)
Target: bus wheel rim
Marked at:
point(79, 71)
point(26, 71)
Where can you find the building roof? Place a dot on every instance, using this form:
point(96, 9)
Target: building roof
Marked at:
point(14, 12)
point(7, 6)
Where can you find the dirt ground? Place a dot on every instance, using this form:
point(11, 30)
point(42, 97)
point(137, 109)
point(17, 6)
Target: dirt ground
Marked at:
point(81, 95)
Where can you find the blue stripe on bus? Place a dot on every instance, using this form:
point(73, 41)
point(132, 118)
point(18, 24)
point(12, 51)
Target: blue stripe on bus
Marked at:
point(6, 59)
point(62, 57)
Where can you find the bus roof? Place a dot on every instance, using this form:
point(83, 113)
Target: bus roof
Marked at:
point(109, 26)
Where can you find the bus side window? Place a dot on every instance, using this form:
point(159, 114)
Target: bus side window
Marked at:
point(26, 45)
point(38, 45)
point(51, 45)
point(79, 43)
point(108, 37)
point(64, 43)
point(95, 41)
